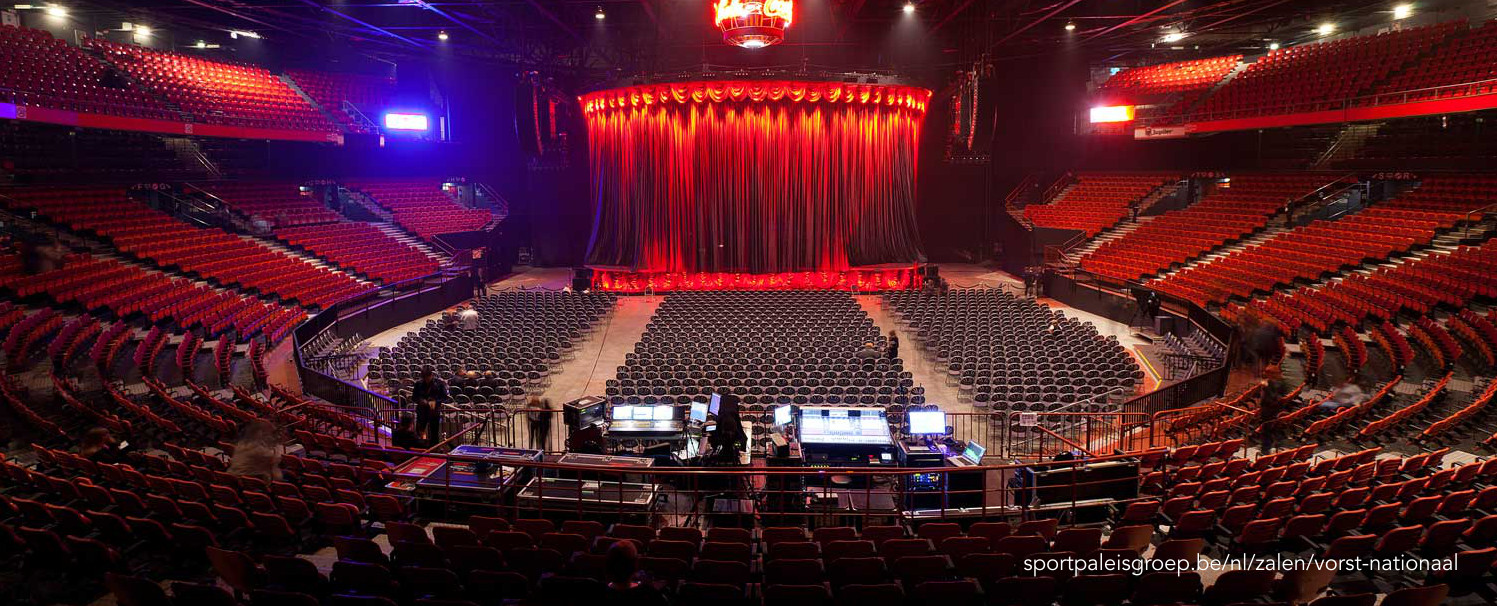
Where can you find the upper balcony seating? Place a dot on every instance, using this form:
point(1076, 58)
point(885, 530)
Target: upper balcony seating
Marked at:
point(1468, 58)
point(282, 204)
point(369, 94)
point(1318, 77)
point(1096, 202)
point(1166, 89)
point(1326, 246)
point(422, 208)
point(210, 252)
point(47, 72)
point(214, 92)
point(1225, 214)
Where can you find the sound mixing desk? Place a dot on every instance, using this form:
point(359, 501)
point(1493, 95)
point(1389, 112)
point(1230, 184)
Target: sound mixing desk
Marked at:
point(846, 437)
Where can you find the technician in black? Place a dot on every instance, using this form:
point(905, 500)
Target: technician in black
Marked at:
point(429, 394)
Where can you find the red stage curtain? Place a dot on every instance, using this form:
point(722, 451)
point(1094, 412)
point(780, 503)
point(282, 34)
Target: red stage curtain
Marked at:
point(852, 280)
point(754, 177)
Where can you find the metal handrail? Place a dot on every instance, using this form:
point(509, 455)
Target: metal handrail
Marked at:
point(1470, 215)
point(358, 116)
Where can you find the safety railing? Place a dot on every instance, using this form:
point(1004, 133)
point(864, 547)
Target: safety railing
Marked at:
point(1089, 489)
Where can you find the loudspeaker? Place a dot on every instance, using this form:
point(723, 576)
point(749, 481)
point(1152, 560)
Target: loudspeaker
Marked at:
point(932, 272)
point(582, 279)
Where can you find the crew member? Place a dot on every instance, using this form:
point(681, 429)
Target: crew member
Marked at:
point(429, 394)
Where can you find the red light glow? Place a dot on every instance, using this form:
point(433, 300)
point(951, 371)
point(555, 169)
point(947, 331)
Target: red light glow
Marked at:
point(753, 23)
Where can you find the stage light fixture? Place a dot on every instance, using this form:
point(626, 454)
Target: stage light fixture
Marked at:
point(1326, 29)
point(57, 11)
point(442, 36)
point(1273, 46)
point(22, 7)
point(1402, 11)
point(201, 44)
point(1070, 27)
point(909, 8)
point(237, 33)
point(600, 15)
point(1174, 37)
point(141, 30)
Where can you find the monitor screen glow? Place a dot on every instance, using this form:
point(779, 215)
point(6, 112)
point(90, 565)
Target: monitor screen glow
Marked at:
point(927, 422)
point(623, 413)
point(717, 402)
point(782, 415)
point(974, 452)
point(410, 122)
point(664, 413)
point(699, 412)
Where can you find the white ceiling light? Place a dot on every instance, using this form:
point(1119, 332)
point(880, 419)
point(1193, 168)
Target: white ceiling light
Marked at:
point(909, 8)
point(1174, 37)
point(1402, 11)
point(1070, 27)
point(1326, 29)
point(57, 11)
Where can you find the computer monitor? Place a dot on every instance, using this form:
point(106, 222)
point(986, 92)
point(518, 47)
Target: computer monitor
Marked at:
point(664, 412)
point(925, 422)
point(782, 415)
point(974, 451)
point(623, 413)
point(699, 412)
point(716, 405)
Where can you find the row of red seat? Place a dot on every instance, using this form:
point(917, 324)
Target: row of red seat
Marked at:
point(216, 92)
point(211, 252)
point(49, 72)
point(363, 248)
point(1466, 59)
point(369, 94)
point(422, 208)
point(282, 204)
point(1096, 201)
point(125, 289)
point(1327, 246)
point(1231, 211)
point(1281, 81)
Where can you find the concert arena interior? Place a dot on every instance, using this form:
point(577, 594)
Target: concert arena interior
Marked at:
point(748, 302)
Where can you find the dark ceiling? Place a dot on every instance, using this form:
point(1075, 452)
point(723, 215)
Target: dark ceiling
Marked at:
point(657, 35)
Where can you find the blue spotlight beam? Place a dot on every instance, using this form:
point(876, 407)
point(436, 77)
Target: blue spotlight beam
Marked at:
point(361, 22)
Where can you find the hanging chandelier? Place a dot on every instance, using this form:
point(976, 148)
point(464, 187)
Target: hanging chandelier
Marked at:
point(753, 23)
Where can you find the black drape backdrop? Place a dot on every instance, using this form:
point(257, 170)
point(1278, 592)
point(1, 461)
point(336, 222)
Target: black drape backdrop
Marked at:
point(757, 177)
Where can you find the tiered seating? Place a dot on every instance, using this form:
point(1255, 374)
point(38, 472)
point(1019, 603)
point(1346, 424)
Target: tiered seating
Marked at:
point(49, 152)
point(214, 92)
point(210, 252)
point(125, 290)
point(369, 94)
point(1223, 215)
point(1311, 251)
point(1097, 201)
point(1447, 142)
point(282, 204)
point(1167, 89)
point(520, 335)
point(47, 72)
point(422, 208)
point(363, 248)
point(1279, 82)
point(1467, 58)
point(1416, 286)
point(1009, 353)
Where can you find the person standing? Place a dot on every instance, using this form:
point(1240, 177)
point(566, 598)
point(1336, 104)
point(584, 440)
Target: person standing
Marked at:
point(258, 452)
point(892, 349)
point(540, 423)
point(1270, 404)
point(429, 394)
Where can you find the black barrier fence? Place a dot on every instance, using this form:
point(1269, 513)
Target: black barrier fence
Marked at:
point(1115, 300)
point(642, 490)
point(371, 313)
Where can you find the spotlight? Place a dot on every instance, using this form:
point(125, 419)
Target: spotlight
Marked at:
point(237, 33)
point(1070, 27)
point(1273, 46)
point(201, 44)
point(141, 30)
point(909, 8)
point(22, 7)
point(442, 36)
point(57, 11)
point(1402, 11)
point(600, 15)
point(754, 44)
point(1174, 37)
point(1326, 29)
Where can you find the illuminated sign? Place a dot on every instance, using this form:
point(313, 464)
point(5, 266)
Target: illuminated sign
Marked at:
point(412, 122)
point(1115, 113)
